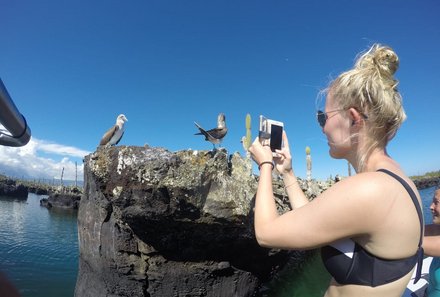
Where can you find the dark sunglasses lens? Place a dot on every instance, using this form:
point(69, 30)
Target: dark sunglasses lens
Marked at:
point(321, 118)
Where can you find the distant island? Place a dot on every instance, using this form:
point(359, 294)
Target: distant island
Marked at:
point(66, 197)
point(429, 179)
point(39, 186)
point(14, 185)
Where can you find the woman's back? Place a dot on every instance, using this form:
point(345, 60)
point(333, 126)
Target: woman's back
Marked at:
point(393, 244)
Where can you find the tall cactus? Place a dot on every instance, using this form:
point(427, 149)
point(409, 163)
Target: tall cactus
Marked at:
point(247, 141)
point(309, 163)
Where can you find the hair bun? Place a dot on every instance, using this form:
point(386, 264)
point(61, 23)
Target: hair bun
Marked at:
point(386, 60)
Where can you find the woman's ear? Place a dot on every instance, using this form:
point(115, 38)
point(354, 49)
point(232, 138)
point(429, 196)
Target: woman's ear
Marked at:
point(355, 116)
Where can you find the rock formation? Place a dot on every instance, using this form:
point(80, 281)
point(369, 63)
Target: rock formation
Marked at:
point(156, 223)
point(426, 182)
point(62, 200)
point(39, 190)
point(10, 188)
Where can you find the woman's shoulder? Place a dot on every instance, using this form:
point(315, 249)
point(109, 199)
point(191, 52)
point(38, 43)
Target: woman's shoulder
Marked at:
point(360, 182)
point(358, 201)
point(367, 187)
point(379, 179)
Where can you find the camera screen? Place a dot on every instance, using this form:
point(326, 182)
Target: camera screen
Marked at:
point(276, 137)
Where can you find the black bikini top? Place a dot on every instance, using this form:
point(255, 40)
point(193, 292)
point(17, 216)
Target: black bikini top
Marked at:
point(350, 263)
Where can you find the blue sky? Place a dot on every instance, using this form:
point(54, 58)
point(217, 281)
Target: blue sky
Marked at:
point(72, 66)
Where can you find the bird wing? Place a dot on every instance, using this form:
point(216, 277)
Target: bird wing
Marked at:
point(217, 133)
point(108, 135)
point(214, 135)
point(119, 138)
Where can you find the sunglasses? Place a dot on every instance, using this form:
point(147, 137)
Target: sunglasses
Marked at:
point(322, 116)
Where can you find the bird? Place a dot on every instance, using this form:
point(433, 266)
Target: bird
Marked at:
point(215, 136)
point(114, 134)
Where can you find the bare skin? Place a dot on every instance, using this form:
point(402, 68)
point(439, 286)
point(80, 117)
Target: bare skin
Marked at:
point(371, 208)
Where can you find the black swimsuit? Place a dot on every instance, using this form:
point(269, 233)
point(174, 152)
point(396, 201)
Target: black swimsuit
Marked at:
point(350, 263)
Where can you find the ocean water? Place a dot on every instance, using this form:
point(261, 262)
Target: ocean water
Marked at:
point(427, 195)
point(39, 252)
point(38, 247)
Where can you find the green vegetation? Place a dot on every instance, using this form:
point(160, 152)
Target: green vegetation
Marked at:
point(309, 163)
point(248, 139)
point(432, 174)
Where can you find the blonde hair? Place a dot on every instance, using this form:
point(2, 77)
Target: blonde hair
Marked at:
point(370, 88)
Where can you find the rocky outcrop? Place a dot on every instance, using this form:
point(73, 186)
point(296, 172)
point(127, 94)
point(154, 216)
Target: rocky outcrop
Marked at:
point(426, 182)
point(63, 201)
point(39, 190)
point(157, 223)
point(9, 188)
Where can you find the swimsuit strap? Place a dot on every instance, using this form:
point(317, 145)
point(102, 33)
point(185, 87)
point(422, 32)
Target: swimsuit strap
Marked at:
point(419, 212)
point(413, 197)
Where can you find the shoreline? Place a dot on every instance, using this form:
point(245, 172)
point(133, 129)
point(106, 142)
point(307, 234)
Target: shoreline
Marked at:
point(426, 182)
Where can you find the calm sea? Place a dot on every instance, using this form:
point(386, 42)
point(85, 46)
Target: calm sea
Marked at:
point(38, 247)
point(39, 252)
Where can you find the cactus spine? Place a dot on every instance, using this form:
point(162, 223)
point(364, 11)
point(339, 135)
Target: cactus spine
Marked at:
point(309, 164)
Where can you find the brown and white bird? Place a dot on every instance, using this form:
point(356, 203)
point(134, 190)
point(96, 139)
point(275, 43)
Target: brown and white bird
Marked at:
point(114, 134)
point(215, 136)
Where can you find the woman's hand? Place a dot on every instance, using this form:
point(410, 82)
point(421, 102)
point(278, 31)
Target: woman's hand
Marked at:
point(260, 153)
point(283, 162)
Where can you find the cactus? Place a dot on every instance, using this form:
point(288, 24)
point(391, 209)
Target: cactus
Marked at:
point(247, 141)
point(309, 164)
point(307, 150)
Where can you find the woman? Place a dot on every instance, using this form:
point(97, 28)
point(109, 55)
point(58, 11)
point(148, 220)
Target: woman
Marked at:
point(431, 245)
point(369, 226)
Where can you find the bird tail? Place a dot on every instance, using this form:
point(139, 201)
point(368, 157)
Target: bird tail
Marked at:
point(200, 128)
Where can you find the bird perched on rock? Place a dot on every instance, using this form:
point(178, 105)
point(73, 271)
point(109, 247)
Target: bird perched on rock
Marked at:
point(114, 134)
point(215, 136)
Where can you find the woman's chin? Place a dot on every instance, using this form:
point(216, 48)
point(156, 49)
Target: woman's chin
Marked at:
point(335, 154)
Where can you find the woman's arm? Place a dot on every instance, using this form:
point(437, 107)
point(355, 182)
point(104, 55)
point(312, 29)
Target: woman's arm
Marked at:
point(294, 191)
point(337, 213)
point(283, 165)
point(431, 240)
point(265, 207)
point(431, 246)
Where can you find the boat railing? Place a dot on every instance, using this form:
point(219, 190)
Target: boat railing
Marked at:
point(18, 131)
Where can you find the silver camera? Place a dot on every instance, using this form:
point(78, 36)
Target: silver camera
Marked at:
point(271, 133)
